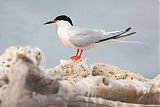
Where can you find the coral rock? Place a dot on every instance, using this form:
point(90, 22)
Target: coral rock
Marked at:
point(26, 82)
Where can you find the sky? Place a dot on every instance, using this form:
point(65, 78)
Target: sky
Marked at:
point(21, 23)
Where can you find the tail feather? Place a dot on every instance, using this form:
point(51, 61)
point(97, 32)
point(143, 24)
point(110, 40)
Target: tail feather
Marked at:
point(124, 35)
point(118, 35)
point(131, 42)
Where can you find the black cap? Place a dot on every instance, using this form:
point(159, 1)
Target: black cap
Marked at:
point(65, 18)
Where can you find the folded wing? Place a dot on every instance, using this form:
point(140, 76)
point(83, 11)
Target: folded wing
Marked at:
point(82, 37)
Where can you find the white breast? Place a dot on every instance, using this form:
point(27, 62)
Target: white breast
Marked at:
point(63, 36)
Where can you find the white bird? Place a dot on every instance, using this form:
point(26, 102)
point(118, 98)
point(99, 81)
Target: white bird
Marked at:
point(83, 38)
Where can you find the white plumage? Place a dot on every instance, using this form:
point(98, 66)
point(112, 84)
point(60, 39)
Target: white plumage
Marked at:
point(83, 38)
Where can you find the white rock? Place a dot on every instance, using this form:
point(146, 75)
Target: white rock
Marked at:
point(8, 59)
point(100, 84)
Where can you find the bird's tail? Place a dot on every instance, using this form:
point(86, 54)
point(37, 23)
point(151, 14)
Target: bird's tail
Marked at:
point(120, 36)
point(117, 35)
point(130, 42)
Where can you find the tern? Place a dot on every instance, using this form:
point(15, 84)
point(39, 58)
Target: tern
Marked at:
point(83, 38)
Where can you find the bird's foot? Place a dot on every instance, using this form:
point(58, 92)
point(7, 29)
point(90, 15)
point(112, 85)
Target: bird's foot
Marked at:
point(75, 58)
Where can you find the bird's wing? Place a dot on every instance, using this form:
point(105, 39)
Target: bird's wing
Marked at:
point(82, 37)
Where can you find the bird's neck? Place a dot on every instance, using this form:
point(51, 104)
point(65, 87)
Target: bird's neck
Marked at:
point(63, 24)
point(64, 27)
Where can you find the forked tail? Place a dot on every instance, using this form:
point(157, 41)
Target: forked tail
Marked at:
point(118, 35)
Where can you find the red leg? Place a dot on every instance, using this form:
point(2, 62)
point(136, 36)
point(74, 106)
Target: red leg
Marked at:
point(78, 57)
point(81, 52)
point(77, 52)
point(74, 57)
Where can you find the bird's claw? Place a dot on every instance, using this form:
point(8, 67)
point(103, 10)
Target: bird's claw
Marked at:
point(75, 58)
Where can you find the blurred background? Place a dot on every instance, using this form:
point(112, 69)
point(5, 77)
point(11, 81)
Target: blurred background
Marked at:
point(21, 23)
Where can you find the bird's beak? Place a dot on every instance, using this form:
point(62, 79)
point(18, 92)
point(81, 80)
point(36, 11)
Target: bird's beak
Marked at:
point(52, 21)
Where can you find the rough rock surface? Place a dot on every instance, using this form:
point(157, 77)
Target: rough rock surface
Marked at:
point(75, 71)
point(26, 82)
point(9, 59)
point(114, 72)
point(72, 71)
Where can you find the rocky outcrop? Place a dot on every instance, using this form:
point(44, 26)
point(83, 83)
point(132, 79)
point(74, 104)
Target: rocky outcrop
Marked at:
point(75, 71)
point(26, 82)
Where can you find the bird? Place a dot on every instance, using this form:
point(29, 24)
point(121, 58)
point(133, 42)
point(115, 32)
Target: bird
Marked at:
point(83, 38)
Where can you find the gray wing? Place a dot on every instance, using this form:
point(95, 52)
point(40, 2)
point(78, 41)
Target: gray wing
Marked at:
point(82, 37)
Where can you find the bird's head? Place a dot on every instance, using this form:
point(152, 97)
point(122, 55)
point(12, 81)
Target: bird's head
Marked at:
point(61, 20)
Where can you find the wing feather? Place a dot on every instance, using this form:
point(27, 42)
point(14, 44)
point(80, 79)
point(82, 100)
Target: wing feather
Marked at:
point(82, 37)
